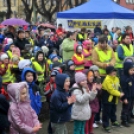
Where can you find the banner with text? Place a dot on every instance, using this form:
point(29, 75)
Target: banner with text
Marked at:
point(84, 23)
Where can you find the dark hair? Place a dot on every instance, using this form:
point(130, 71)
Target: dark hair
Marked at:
point(117, 28)
point(128, 27)
point(124, 36)
point(60, 25)
point(103, 39)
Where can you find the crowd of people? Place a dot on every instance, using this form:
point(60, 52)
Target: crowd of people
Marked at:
point(80, 73)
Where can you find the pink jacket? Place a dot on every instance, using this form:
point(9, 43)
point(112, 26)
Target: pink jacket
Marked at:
point(21, 116)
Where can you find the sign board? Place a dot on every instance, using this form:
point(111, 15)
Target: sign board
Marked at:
point(84, 23)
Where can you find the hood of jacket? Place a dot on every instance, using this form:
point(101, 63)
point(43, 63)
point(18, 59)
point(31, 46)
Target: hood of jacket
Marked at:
point(25, 70)
point(127, 67)
point(14, 90)
point(60, 80)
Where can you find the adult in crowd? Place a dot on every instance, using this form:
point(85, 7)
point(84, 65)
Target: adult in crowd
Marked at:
point(113, 32)
point(21, 42)
point(82, 35)
point(117, 34)
point(103, 55)
point(68, 46)
point(130, 33)
point(97, 29)
point(125, 49)
point(60, 29)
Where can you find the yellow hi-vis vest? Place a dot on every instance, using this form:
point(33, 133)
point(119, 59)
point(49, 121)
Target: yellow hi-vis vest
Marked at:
point(127, 53)
point(118, 63)
point(7, 77)
point(79, 58)
point(104, 58)
point(86, 52)
point(9, 53)
point(38, 68)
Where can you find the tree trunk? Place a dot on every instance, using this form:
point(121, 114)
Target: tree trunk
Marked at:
point(9, 10)
point(28, 17)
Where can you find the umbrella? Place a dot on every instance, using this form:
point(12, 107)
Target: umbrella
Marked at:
point(14, 21)
point(47, 25)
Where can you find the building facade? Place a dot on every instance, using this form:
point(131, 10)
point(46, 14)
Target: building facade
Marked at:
point(126, 3)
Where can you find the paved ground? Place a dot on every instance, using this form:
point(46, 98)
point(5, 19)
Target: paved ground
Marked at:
point(99, 130)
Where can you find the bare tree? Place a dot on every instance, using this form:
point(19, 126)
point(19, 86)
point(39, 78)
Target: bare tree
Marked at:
point(28, 9)
point(47, 8)
point(9, 10)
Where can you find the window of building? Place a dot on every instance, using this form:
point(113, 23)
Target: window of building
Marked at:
point(130, 1)
point(4, 3)
point(13, 3)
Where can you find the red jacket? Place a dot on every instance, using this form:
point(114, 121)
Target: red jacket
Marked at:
point(3, 92)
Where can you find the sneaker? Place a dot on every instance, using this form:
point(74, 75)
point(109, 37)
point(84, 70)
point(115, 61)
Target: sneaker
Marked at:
point(107, 129)
point(116, 124)
point(95, 125)
point(125, 124)
point(98, 122)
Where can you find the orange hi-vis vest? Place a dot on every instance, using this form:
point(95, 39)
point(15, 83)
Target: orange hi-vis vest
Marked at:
point(79, 58)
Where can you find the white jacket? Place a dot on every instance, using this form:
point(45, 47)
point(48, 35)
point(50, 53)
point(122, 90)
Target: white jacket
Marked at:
point(81, 110)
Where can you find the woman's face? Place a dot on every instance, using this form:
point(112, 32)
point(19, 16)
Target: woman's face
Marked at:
point(40, 57)
point(90, 77)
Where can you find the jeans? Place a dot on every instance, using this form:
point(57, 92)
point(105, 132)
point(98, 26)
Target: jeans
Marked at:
point(59, 128)
point(79, 127)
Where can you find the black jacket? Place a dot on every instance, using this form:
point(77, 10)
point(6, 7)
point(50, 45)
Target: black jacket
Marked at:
point(60, 110)
point(21, 43)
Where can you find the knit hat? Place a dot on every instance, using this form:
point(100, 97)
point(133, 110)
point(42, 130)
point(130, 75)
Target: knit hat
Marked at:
point(3, 56)
point(70, 63)
point(15, 58)
point(110, 69)
point(79, 77)
point(94, 68)
point(52, 56)
point(54, 73)
point(24, 63)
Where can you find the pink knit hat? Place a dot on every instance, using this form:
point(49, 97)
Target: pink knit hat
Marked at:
point(79, 77)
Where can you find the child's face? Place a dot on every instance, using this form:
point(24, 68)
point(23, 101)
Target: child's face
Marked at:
point(29, 77)
point(131, 71)
point(5, 61)
point(11, 47)
point(96, 73)
point(79, 50)
point(53, 78)
point(72, 67)
point(114, 73)
point(83, 83)
point(23, 95)
point(16, 62)
point(40, 57)
point(90, 79)
point(55, 59)
point(67, 84)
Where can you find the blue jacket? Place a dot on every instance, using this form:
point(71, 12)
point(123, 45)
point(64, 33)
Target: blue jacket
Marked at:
point(33, 90)
point(127, 81)
point(59, 107)
point(2, 37)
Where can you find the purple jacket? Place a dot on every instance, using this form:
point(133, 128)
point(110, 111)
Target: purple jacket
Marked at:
point(21, 116)
point(94, 104)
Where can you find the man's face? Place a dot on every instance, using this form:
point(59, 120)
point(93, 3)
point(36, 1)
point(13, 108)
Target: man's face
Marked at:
point(103, 45)
point(21, 35)
point(127, 40)
point(73, 36)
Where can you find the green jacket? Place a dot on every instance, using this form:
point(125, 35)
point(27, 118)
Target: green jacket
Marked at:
point(67, 49)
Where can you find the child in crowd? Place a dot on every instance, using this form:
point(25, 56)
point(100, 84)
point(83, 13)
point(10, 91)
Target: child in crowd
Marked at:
point(94, 104)
point(4, 106)
point(5, 69)
point(110, 95)
point(40, 66)
point(2, 90)
point(70, 71)
point(87, 52)
point(22, 117)
point(97, 79)
point(49, 89)
point(9, 51)
point(81, 111)
point(60, 104)
point(78, 58)
point(29, 76)
point(127, 85)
